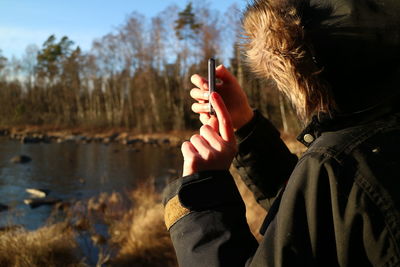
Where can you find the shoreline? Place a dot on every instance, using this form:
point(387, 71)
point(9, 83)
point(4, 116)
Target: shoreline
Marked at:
point(46, 134)
point(37, 134)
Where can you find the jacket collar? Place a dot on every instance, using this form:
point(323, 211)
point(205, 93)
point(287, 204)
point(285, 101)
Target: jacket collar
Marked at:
point(324, 122)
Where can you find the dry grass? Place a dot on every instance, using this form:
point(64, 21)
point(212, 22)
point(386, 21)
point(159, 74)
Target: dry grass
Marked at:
point(52, 245)
point(255, 214)
point(136, 236)
point(141, 234)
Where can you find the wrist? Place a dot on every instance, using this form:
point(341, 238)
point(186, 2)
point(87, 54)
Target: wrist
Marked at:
point(188, 169)
point(245, 118)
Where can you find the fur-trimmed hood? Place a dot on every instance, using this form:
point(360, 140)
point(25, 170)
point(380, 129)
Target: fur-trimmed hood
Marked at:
point(324, 54)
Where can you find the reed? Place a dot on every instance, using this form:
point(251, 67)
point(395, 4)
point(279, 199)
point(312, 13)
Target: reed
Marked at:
point(52, 245)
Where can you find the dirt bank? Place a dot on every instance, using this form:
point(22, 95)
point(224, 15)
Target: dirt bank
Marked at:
point(35, 134)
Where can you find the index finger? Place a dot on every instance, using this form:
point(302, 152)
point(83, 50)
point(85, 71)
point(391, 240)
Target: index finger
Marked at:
point(199, 81)
point(224, 118)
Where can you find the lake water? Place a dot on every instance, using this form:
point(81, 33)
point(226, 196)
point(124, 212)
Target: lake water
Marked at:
point(76, 171)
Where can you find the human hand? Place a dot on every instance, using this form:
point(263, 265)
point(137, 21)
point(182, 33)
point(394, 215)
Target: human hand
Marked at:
point(232, 93)
point(215, 146)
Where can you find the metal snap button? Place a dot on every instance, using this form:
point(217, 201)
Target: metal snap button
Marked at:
point(308, 138)
point(376, 150)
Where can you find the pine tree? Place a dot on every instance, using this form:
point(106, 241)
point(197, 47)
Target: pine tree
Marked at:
point(186, 26)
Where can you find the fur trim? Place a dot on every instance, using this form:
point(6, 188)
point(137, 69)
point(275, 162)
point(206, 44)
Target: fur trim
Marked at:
point(276, 48)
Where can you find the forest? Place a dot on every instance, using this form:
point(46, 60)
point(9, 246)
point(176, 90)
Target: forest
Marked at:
point(136, 77)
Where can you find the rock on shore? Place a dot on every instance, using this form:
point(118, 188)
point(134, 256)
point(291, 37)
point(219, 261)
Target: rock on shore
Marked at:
point(29, 136)
point(21, 159)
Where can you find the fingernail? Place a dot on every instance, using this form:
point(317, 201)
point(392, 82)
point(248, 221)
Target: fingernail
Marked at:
point(206, 95)
point(205, 86)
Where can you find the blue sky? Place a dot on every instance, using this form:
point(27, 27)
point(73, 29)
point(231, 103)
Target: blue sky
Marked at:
point(24, 22)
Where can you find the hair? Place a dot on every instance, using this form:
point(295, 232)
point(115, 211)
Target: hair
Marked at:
point(276, 48)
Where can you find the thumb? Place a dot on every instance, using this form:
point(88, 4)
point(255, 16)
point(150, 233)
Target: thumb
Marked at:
point(223, 73)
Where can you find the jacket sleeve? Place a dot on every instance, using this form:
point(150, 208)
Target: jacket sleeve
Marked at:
point(206, 218)
point(263, 161)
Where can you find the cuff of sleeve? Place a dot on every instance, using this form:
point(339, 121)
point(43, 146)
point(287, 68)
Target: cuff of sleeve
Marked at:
point(198, 192)
point(257, 124)
point(248, 128)
point(258, 131)
point(174, 211)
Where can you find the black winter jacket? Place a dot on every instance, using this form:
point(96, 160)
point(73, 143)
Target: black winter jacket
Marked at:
point(338, 205)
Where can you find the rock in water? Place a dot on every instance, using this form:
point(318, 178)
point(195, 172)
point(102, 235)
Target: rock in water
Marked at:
point(30, 140)
point(3, 132)
point(3, 207)
point(39, 193)
point(21, 159)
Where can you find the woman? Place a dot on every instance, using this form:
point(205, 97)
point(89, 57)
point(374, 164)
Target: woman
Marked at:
point(338, 63)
